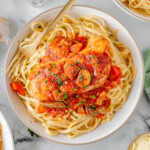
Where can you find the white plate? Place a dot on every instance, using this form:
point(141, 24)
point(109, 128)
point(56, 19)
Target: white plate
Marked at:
point(131, 12)
point(7, 137)
point(120, 117)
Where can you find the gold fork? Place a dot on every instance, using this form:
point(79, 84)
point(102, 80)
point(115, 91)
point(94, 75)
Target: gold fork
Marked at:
point(29, 50)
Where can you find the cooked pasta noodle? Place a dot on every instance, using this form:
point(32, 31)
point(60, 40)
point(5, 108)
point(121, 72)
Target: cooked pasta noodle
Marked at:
point(142, 143)
point(82, 112)
point(140, 6)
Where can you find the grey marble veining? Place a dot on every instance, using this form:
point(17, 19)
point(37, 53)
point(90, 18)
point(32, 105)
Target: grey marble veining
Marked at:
point(18, 12)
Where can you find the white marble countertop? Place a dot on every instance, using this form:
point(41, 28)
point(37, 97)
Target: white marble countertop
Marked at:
point(18, 12)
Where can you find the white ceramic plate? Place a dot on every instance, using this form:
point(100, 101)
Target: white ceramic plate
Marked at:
point(7, 137)
point(120, 117)
point(131, 12)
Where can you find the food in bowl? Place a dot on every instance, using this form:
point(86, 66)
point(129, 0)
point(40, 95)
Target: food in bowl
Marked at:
point(139, 6)
point(79, 76)
point(141, 143)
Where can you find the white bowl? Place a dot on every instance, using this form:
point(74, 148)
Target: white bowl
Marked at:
point(7, 137)
point(131, 12)
point(120, 117)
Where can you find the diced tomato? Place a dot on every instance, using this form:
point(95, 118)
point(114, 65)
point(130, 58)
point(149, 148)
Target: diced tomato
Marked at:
point(71, 70)
point(100, 116)
point(82, 40)
point(76, 48)
point(18, 88)
point(106, 103)
point(41, 109)
point(115, 73)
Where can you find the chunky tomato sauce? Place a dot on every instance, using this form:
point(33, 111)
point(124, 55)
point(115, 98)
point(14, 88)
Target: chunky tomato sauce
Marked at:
point(79, 84)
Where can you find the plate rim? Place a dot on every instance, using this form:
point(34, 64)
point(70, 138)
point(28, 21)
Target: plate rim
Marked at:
point(131, 12)
point(141, 91)
point(7, 128)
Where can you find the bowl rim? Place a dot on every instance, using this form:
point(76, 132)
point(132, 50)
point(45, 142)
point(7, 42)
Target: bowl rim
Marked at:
point(7, 127)
point(131, 12)
point(141, 91)
point(136, 138)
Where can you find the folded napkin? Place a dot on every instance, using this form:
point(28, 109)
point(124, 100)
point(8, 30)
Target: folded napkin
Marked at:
point(147, 72)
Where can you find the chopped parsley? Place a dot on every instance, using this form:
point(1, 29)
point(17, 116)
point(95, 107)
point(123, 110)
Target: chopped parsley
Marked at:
point(63, 27)
point(92, 106)
point(55, 75)
point(74, 89)
point(74, 72)
point(48, 69)
point(38, 59)
point(50, 40)
point(46, 81)
point(77, 62)
point(59, 81)
point(94, 56)
point(96, 64)
point(38, 72)
point(70, 111)
point(111, 105)
point(85, 85)
point(93, 96)
point(66, 95)
point(81, 79)
point(53, 65)
point(91, 75)
point(67, 77)
point(68, 106)
point(59, 91)
point(81, 103)
point(76, 117)
point(115, 44)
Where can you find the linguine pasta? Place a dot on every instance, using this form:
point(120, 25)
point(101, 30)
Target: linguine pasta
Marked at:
point(94, 83)
point(140, 6)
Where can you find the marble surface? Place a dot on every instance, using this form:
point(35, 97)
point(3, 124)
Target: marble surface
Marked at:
point(18, 12)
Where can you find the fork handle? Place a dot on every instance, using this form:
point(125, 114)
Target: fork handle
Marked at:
point(61, 14)
point(55, 21)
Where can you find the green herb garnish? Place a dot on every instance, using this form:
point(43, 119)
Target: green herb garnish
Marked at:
point(53, 65)
point(81, 79)
point(74, 72)
point(85, 85)
point(55, 75)
point(93, 96)
point(66, 95)
point(68, 106)
point(50, 40)
point(59, 81)
point(70, 111)
point(77, 62)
